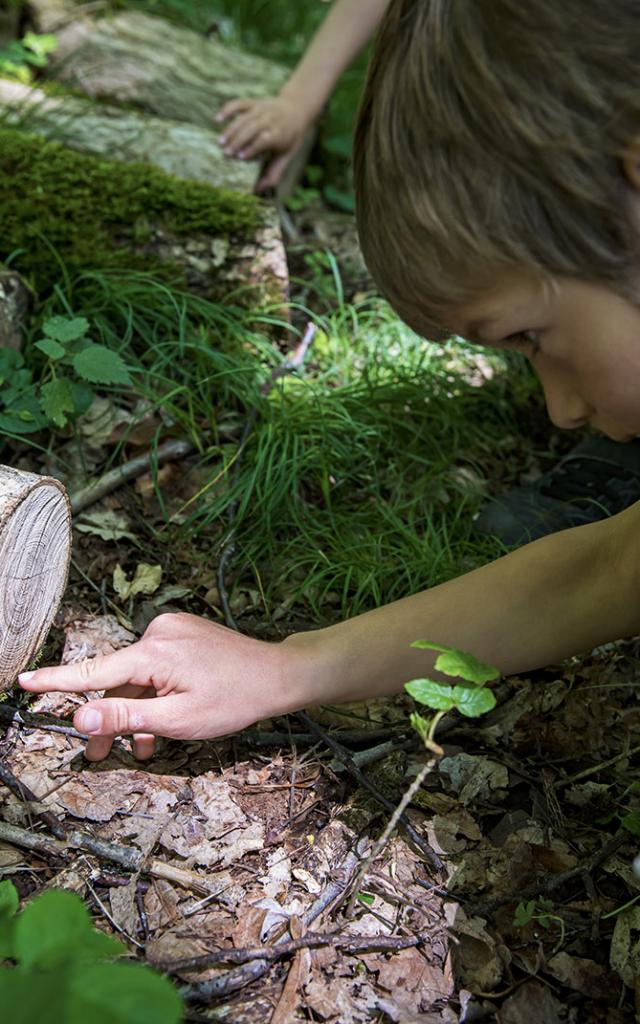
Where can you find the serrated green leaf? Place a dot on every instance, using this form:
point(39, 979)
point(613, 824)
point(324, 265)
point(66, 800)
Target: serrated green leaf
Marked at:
point(65, 328)
point(51, 348)
point(99, 365)
point(121, 994)
point(631, 822)
point(13, 420)
point(57, 400)
point(472, 701)
point(56, 930)
point(438, 696)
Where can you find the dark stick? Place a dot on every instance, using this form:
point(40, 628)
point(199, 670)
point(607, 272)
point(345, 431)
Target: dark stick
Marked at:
point(258, 738)
point(312, 940)
point(347, 760)
point(19, 789)
point(555, 882)
point(237, 979)
point(28, 720)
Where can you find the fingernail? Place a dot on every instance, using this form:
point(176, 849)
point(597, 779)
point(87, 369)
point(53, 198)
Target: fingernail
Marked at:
point(24, 677)
point(90, 720)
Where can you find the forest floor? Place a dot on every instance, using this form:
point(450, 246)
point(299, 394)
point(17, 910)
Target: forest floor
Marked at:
point(512, 896)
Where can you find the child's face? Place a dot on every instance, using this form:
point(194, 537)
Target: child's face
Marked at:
point(583, 341)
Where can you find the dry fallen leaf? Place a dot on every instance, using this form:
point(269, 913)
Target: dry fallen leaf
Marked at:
point(146, 580)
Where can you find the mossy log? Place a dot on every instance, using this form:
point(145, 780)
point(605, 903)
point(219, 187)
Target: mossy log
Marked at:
point(99, 214)
point(35, 548)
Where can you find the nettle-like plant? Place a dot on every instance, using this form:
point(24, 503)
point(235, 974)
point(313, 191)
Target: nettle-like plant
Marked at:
point(62, 390)
point(469, 695)
point(63, 972)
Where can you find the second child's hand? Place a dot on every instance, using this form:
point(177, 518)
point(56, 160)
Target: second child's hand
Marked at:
point(274, 125)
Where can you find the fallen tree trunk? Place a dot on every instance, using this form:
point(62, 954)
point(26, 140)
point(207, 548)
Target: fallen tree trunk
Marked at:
point(35, 549)
point(138, 59)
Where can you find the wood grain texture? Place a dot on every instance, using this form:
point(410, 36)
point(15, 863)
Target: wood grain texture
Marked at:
point(35, 548)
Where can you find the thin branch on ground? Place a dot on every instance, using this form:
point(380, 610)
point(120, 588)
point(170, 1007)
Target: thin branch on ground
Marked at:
point(33, 803)
point(259, 738)
point(239, 978)
point(392, 824)
point(114, 478)
point(555, 882)
point(347, 760)
point(10, 715)
point(354, 944)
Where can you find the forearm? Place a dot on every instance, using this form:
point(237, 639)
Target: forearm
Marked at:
point(558, 596)
point(347, 28)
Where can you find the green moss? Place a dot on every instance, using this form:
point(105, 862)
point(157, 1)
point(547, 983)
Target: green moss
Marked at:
point(94, 213)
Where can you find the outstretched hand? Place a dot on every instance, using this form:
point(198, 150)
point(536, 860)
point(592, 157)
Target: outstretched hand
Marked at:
point(275, 125)
point(187, 678)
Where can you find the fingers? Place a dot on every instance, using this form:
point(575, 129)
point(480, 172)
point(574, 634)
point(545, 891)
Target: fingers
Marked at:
point(273, 171)
point(104, 672)
point(246, 131)
point(102, 720)
point(231, 108)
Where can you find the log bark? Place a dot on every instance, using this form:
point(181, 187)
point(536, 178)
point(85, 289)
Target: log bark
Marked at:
point(138, 59)
point(35, 549)
point(15, 303)
point(255, 265)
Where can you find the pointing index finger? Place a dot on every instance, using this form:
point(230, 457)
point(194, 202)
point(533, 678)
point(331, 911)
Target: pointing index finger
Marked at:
point(104, 672)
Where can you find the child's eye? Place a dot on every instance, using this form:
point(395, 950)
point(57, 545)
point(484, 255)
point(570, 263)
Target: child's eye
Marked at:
point(529, 341)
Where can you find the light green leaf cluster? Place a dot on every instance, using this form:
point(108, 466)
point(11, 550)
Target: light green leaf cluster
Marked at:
point(468, 697)
point(63, 971)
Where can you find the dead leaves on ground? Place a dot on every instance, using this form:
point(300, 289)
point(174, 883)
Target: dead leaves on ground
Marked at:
point(518, 799)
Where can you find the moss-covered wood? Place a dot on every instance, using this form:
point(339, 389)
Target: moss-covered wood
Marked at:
point(60, 206)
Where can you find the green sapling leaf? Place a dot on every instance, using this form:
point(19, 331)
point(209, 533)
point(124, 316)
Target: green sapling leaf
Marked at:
point(56, 397)
point(438, 696)
point(99, 365)
point(52, 349)
point(55, 930)
point(420, 725)
point(472, 701)
point(524, 913)
point(453, 662)
point(65, 328)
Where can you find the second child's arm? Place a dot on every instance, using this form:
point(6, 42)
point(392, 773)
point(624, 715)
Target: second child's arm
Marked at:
point(278, 124)
point(189, 678)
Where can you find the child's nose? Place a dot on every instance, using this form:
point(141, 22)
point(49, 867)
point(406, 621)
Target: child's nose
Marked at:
point(565, 405)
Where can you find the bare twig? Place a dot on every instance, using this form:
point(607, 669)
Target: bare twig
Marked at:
point(135, 467)
point(391, 827)
point(237, 979)
point(28, 720)
point(260, 738)
point(347, 760)
point(555, 882)
point(34, 804)
point(312, 940)
point(125, 856)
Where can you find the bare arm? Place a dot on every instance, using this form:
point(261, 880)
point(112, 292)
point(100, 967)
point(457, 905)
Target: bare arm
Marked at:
point(347, 28)
point(553, 598)
point(558, 596)
point(278, 124)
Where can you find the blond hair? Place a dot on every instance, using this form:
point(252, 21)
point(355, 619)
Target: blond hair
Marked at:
point(490, 136)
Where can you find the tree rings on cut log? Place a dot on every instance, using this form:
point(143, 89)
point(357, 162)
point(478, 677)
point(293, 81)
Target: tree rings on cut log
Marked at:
point(35, 548)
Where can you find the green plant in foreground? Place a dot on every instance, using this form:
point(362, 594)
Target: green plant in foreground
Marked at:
point(73, 363)
point(63, 972)
point(18, 57)
point(539, 910)
point(469, 697)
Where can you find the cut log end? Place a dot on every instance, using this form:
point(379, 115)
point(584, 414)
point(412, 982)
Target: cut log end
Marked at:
point(35, 548)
